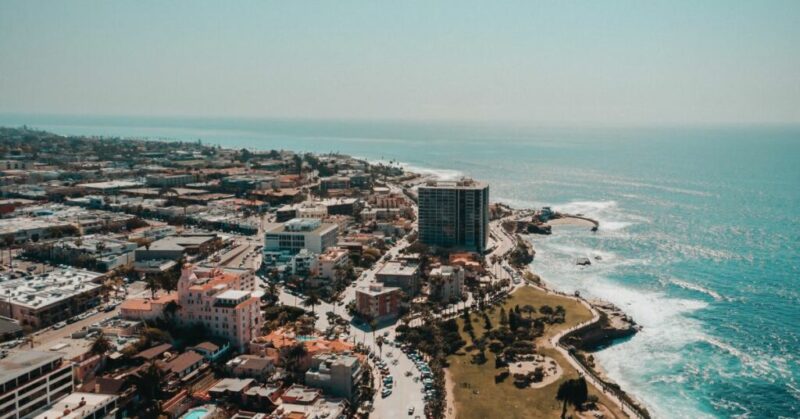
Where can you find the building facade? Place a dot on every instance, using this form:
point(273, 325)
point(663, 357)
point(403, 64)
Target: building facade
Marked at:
point(401, 274)
point(377, 301)
point(221, 301)
point(297, 234)
point(447, 283)
point(454, 214)
point(31, 381)
point(336, 374)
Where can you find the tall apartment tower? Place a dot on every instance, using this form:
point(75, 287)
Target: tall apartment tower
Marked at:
point(454, 214)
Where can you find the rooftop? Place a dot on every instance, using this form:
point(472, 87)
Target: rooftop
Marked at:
point(79, 405)
point(18, 363)
point(463, 183)
point(301, 225)
point(111, 184)
point(180, 242)
point(42, 290)
point(184, 361)
point(235, 385)
point(399, 268)
point(375, 289)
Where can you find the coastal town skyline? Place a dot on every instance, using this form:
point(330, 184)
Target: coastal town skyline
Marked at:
point(383, 210)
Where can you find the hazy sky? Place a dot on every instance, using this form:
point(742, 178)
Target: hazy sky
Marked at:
point(558, 62)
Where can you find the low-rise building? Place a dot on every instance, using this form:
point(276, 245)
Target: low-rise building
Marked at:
point(40, 300)
point(252, 366)
point(106, 252)
point(331, 260)
point(168, 180)
point(297, 234)
point(183, 364)
point(230, 388)
point(377, 300)
point(402, 274)
point(30, 381)
point(304, 263)
point(175, 247)
point(211, 351)
point(303, 402)
point(81, 405)
point(146, 308)
point(447, 283)
point(336, 374)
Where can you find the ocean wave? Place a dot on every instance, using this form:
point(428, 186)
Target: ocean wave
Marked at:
point(664, 188)
point(694, 287)
point(733, 408)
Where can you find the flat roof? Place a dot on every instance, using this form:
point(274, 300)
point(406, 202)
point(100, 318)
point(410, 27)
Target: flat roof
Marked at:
point(375, 288)
point(179, 242)
point(235, 385)
point(302, 223)
point(399, 268)
point(78, 404)
point(18, 363)
point(42, 290)
point(111, 184)
point(464, 183)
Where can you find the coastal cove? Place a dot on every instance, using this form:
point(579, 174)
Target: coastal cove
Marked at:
point(716, 291)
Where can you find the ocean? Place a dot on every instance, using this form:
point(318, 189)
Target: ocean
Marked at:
point(699, 234)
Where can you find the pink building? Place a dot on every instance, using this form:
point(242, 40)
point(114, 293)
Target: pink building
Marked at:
point(222, 301)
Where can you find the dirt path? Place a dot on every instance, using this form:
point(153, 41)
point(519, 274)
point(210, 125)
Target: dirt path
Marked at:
point(450, 404)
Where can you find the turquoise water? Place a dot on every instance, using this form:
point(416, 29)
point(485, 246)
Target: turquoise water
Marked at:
point(196, 414)
point(699, 236)
point(304, 338)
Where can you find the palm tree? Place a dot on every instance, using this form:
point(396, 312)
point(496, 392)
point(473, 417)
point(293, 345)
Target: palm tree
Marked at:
point(100, 345)
point(379, 342)
point(572, 392)
point(312, 300)
point(152, 285)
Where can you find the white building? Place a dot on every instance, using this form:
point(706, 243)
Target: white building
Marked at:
point(43, 299)
point(333, 259)
point(297, 234)
point(447, 283)
point(82, 406)
point(31, 381)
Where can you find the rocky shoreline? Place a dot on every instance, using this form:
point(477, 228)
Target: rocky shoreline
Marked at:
point(612, 325)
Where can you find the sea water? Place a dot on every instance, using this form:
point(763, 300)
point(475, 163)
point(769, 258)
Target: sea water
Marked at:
point(699, 237)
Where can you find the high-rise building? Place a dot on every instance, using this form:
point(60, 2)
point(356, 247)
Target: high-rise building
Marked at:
point(454, 214)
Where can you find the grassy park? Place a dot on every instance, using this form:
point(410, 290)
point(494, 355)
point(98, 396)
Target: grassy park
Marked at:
point(479, 396)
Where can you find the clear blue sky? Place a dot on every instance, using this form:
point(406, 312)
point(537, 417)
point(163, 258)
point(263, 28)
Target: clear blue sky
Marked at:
point(559, 62)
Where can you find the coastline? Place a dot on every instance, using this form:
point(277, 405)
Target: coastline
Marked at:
point(608, 326)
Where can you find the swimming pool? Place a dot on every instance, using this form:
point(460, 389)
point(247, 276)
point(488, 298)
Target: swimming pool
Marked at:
point(199, 413)
point(304, 338)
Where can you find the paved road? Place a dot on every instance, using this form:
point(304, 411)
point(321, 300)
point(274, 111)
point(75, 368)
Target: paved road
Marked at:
point(47, 336)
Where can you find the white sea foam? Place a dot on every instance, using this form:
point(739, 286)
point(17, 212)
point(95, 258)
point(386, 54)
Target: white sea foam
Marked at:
point(694, 287)
point(443, 174)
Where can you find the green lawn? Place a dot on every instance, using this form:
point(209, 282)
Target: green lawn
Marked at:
point(476, 394)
